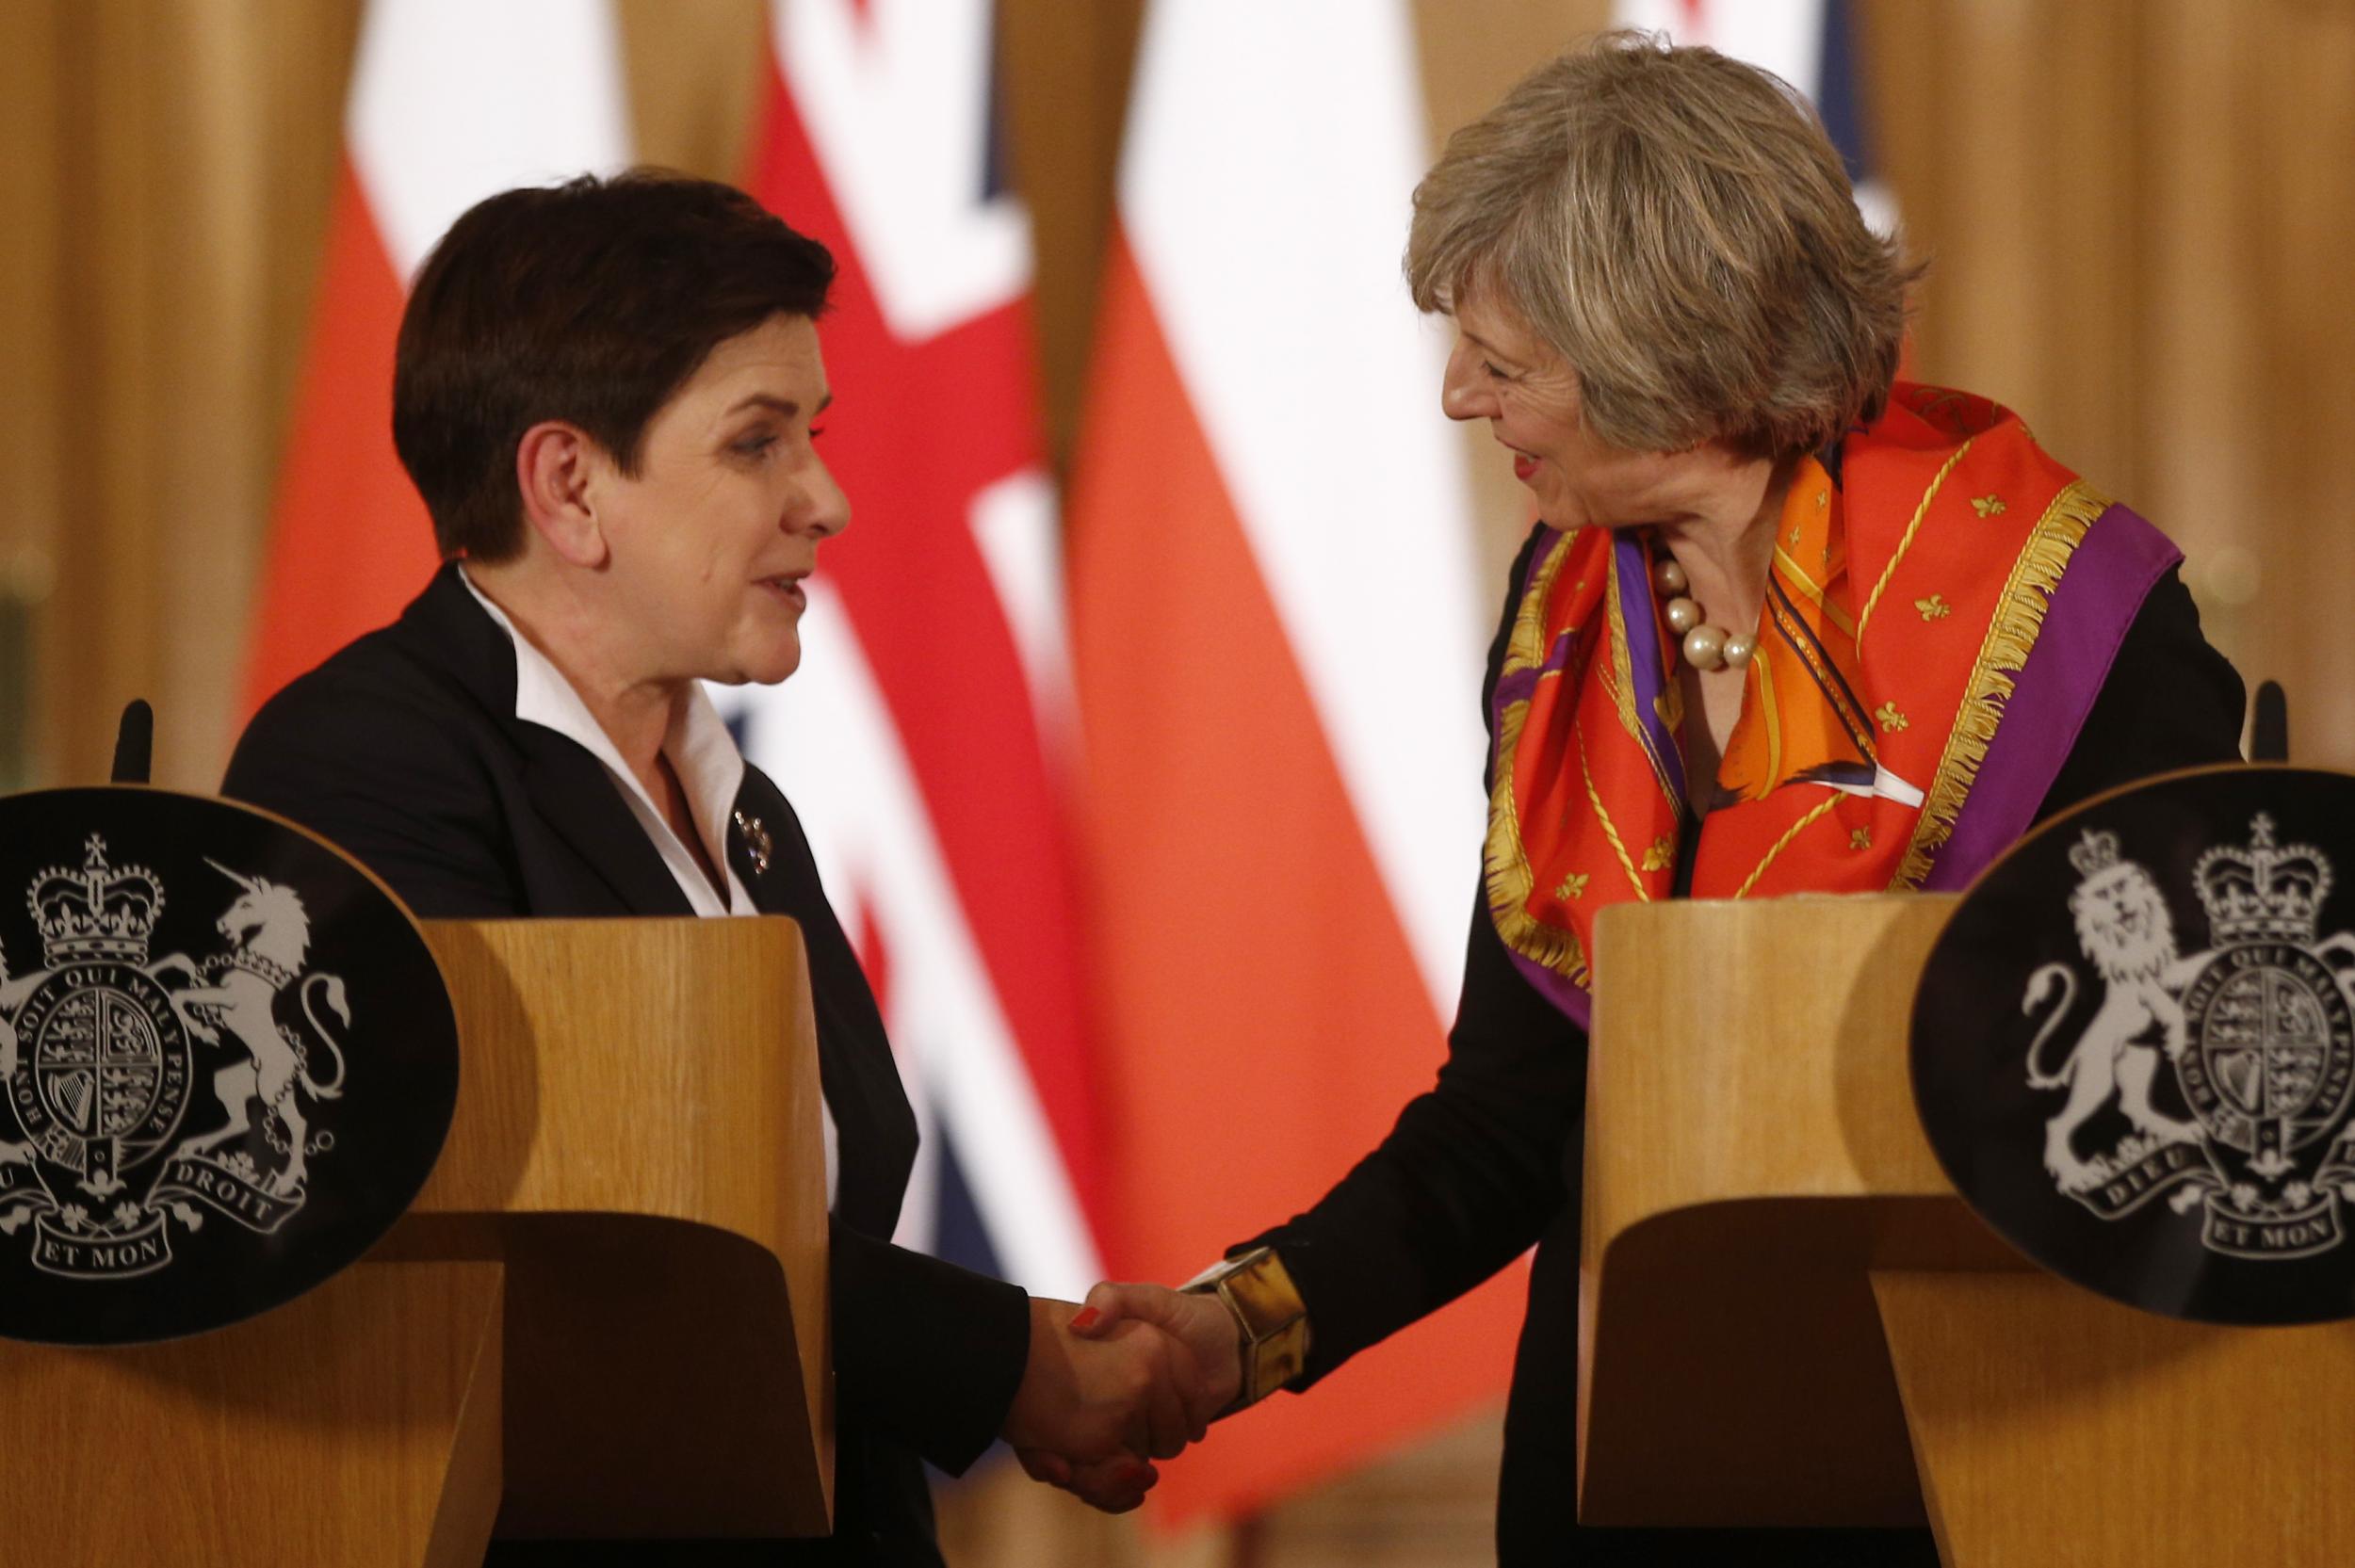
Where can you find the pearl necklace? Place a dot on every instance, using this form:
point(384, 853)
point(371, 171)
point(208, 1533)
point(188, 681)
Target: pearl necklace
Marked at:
point(1706, 647)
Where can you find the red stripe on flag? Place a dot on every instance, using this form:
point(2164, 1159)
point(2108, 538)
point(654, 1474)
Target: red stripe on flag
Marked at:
point(920, 428)
point(1262, 1013)
point(867, 945)
point(351, 543)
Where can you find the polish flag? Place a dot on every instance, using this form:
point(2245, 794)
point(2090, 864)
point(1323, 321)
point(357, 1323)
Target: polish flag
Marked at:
point(451, 100)
point(1277, 645)
point(924, 739)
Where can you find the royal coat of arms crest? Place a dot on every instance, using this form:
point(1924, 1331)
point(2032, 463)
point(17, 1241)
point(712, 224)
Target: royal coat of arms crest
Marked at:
point(115, 1140)
point(2134, 1046)
point(2256, 1034)
point(228, 1062)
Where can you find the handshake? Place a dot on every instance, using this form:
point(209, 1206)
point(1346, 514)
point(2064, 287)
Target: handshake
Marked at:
point(1134, 1376)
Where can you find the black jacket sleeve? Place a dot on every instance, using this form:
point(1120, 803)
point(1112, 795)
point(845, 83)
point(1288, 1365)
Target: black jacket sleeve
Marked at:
point(1475, 1170)
point(1468, 1177)
point(925, 1352)
point(1465, 1182)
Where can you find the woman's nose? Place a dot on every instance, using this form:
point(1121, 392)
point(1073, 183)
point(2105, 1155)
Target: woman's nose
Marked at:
point(1464, 392)
point(828, 510)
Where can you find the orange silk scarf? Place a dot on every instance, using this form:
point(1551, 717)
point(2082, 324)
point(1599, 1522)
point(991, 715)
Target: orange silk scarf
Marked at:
point(1904, 600)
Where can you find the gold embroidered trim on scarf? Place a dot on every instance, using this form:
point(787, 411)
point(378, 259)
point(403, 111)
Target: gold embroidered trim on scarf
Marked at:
point(1622, 687)
point(1622, 671)
point(1772, 714)
point(1526, 649)
point(2010, 637)
point(1906, 542)
point(1784, 843)
point(1610, 829)
point(1510, 878)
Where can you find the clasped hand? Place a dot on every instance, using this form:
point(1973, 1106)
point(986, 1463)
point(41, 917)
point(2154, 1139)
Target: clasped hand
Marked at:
point(1131, 1377)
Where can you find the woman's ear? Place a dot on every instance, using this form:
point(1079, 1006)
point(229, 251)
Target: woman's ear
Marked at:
point(553, 466)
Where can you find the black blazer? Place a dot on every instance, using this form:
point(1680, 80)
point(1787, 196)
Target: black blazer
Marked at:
point(404, 749)
point(1489, 1162)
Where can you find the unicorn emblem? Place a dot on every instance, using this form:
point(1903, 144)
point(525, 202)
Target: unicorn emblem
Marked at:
point(269, 936)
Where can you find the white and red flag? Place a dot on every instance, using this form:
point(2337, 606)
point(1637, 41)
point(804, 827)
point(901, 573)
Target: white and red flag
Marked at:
point(450, 101)
point(923, 739)
point(1277, 645)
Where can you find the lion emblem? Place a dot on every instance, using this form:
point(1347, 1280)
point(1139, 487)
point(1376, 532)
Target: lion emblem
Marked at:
point(2129, 937)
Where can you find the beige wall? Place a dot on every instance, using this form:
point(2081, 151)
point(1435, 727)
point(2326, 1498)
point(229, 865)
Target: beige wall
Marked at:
point(2138, 213)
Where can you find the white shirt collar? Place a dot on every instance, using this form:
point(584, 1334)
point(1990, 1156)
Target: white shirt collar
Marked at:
point(710, 769)
point(703, 753)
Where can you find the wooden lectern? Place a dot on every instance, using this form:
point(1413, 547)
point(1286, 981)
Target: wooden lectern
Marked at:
point(605, 1316)
point(1790, 1317)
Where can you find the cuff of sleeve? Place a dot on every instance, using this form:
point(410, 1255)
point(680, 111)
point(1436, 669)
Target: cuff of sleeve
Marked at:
point(1271, 1319)
point(927, 1353)
point(1327, 1343)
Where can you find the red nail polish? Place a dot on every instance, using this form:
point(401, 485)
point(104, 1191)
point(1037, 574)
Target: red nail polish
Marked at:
point(1085, 1318)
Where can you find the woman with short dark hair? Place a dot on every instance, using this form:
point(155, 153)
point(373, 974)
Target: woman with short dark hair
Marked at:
point(591, 302)
point(608, 393)
point(1787, 625)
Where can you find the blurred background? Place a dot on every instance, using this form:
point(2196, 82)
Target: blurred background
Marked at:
point(1150, 225)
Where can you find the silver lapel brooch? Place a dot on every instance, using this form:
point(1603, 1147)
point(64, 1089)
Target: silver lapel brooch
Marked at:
point(757, 842)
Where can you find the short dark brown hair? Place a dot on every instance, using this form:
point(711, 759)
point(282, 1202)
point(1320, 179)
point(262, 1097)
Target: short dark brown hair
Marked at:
point(591, 301)
point(1678, 227)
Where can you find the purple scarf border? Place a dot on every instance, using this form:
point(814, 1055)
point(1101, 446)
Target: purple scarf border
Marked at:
point(2114, 568)
point(1630, 563)
point(1518, 686)
point(1647, 660)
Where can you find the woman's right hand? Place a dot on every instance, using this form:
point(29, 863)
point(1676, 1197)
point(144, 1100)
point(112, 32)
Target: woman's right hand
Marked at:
point(1201, 1323)
point(1094, 1406)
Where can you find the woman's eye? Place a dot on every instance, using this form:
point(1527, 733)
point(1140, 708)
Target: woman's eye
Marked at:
point(754, 445)
point(817, 431)
point(1494, 373)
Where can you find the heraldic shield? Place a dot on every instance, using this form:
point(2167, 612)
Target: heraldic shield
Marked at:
point(227, 1057)
point(2134, 1046)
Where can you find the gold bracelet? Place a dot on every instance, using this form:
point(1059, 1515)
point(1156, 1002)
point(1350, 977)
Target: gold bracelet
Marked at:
point(1270, 1320)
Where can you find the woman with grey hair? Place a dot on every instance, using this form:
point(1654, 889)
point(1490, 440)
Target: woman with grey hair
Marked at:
point(1788, 625)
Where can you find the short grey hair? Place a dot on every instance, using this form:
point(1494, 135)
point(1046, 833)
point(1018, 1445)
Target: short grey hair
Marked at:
point(1680, 228)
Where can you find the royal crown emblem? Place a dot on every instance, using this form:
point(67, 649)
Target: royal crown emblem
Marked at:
point(97, 912)
point(2253, 1038)
point(2093, 852)
point(2265, 893)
